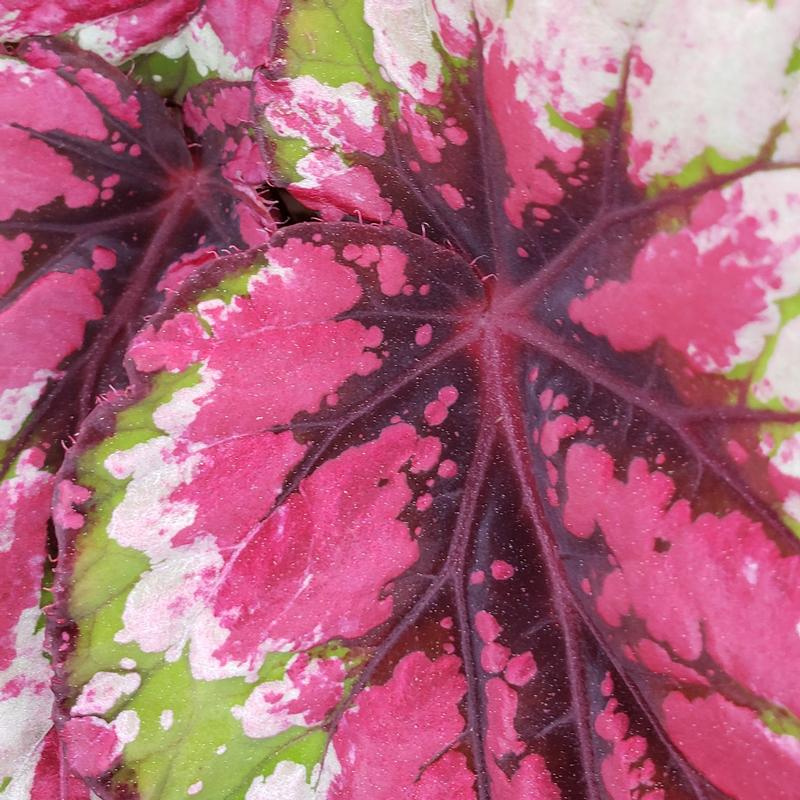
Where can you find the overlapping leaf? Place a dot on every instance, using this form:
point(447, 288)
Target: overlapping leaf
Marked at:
point(226, 39)
point(101, 195)
point(504, 511)
point(410, 111)
point(366, 496)
point(121, 27)
point(104, 209)
point(171, 44)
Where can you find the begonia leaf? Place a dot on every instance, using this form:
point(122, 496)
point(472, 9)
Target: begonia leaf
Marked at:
point(101, 194)
point(170, 44)
point(374, 524)
point(504, 505)
point(408, 111)
point(104, 210)
point(118, 27)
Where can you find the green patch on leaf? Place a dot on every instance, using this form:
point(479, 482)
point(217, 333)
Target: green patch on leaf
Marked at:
point(794, 62)
point(45, 595)
point(189, 734)
point(288, 152)
point(705, 165)
point(330, 41)
point(561, 124)
point(104, 571)
point(170, 77)
point(237, 284)
point(789, 309)
point(780, 721)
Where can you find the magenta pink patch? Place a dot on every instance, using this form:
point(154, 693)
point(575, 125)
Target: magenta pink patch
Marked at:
point(107, 92)
point(429, 144)
point(59, 105)
point(691, 311)
point(436, 411)
point(392, 269)
point(11, 259)
point(49, 780)
point(447, 469)
point(659, 661)
point(494, 657)
point(36, 175)
point(91, 745)
point(423, 335)
point(381, 761)
point(742, 756)
point(487, 626)
point(103, 258)
point(319, 684)
point(284, 330)
point(45, 325)
point(627, 772)
point(67, 496)
point(502, 570)
point(334, 189)
point(701, 585)
point(24, 511)
point(554, 431)
point(525, 145)
point(452, 196)
point(521, 669)
point(36, 17)
point(532, 777)
point(455, 41)
point(245, 29)
point(304, 578)
point(177, 272)
point(455, 135)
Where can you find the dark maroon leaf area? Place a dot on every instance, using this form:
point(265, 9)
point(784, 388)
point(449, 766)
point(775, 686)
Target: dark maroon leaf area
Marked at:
point(162, 199)
point(501, 335)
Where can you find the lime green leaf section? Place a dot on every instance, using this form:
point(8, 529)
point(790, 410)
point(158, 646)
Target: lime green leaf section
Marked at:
point(561, 124)
point(705, 165)
point(104, 571)
point(781, 722)
point(754, 371)
point(794, 62)
point(170, 77)
point(329, 40)
point(189, 737)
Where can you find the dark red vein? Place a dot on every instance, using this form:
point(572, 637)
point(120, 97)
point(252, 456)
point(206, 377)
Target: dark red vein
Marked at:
point(671, 415)
point(544, 278)
point(131, 299)
point(512, 426)
point(612, 160)
point(452, 572)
